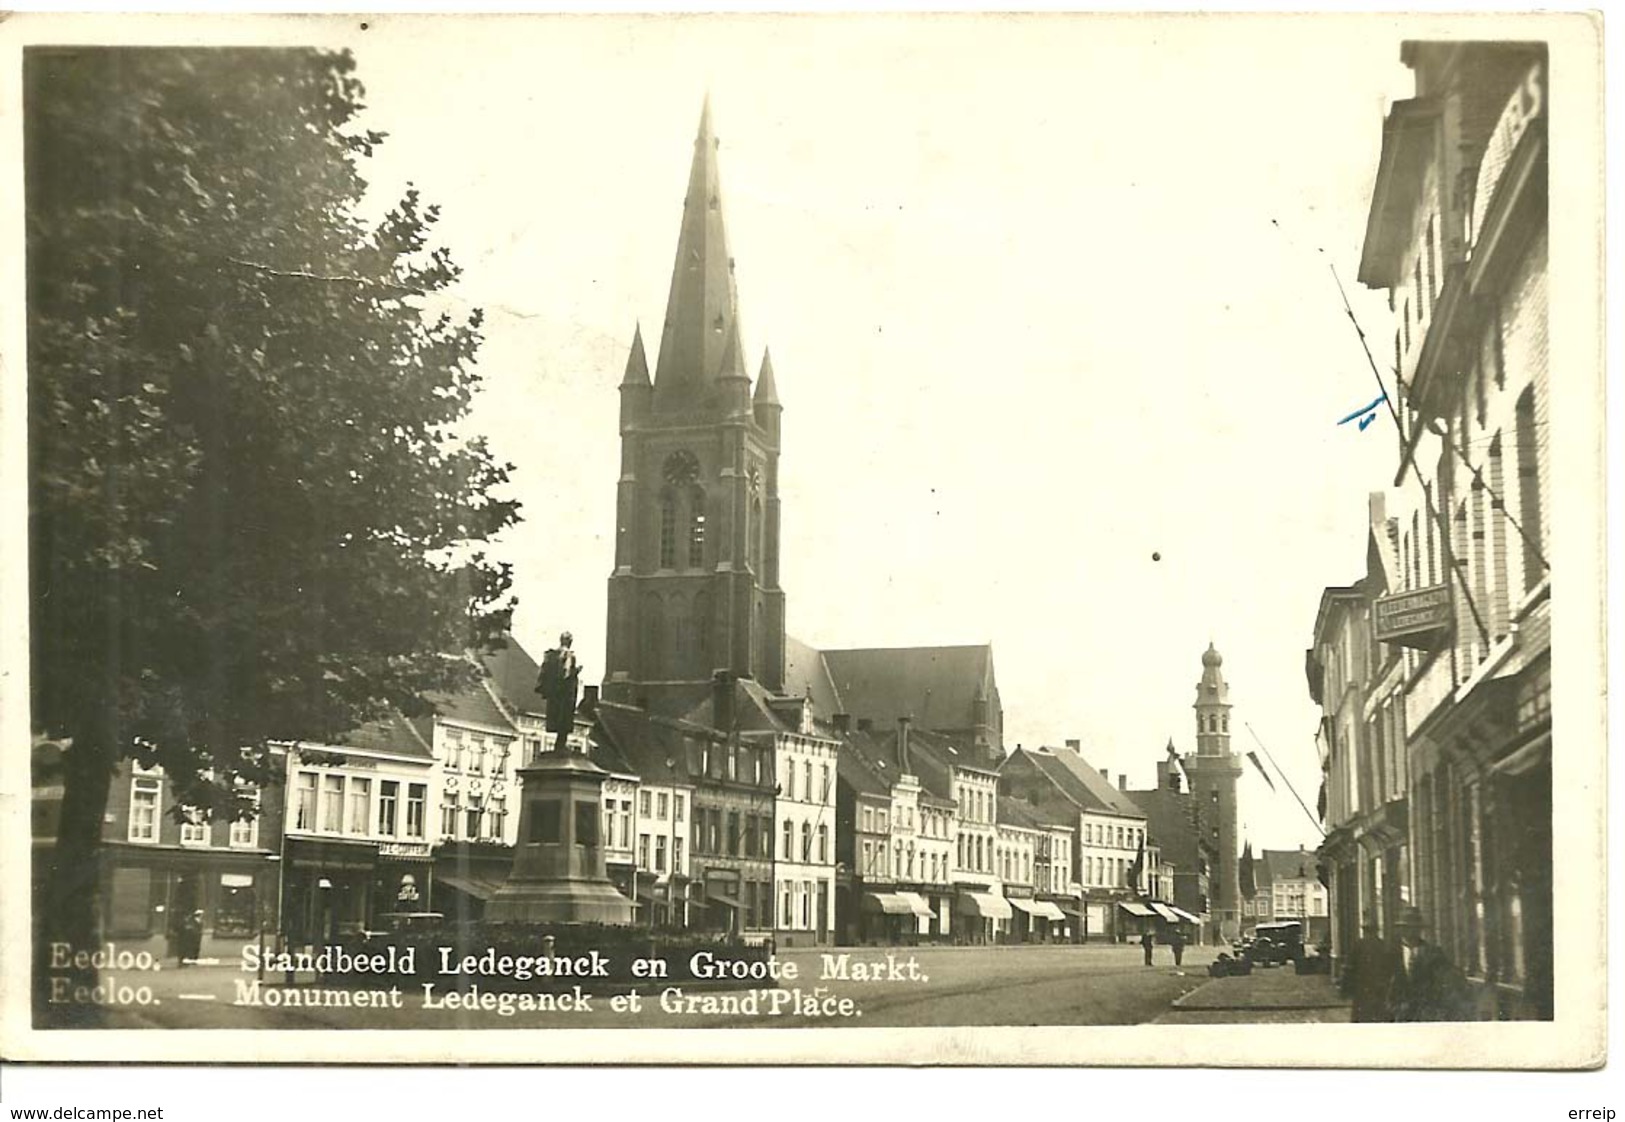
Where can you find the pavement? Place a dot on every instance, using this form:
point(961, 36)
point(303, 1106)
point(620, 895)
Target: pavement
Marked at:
point(1270, 995)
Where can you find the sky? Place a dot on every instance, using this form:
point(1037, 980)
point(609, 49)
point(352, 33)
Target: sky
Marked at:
point(1051, 308)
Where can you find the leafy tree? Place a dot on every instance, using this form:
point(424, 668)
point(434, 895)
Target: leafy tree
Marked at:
point(252, 516)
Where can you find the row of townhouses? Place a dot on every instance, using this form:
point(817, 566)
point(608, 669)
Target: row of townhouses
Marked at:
point(751, 815)
point(1433, 667)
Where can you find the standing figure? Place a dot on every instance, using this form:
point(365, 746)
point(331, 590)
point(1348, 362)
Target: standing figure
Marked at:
point(190, 943)
point(557, 683)
point(1148, 942)
point(1369, 976)
point(1176, 943)
point(1427, 985)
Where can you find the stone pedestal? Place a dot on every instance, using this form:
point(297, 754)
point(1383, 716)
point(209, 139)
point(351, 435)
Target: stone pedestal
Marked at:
point(558, 867)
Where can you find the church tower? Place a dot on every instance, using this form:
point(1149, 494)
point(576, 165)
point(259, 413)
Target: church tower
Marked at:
point(1213, 770)
point(695, 589)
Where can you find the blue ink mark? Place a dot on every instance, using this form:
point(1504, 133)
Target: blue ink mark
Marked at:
point(1366, 413)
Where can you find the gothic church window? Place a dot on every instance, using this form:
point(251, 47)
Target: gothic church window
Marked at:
point(696, 528)
point(668, 530)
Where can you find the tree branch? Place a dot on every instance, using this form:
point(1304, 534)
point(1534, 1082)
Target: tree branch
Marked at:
point(302, 274)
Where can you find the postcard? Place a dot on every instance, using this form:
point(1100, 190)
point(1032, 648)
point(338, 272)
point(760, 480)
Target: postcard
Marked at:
point(960, 538)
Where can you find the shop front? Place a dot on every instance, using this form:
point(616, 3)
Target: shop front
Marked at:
point(329, 889)
point(982, 915)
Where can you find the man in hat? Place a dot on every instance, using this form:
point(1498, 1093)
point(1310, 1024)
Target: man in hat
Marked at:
point(1427, 986)
point(1373, 964)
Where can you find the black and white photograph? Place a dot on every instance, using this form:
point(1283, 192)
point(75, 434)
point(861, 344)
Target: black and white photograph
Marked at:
point(870, 538)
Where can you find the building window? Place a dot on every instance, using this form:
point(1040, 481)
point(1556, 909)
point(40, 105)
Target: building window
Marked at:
point(245, 832)
point(499, 817)
point(660, 853)
point(823, 846)
point(677, 808)
point(733, 833)
point(360, 805)
point(144, 809)
point(806, 780)
point(389, 792)
point(643, 851)
point(825, 768)
point(417, 800)
point(644, 803)
point(332, 809)
point(471, 822)
point(448, 820)
point(790, 778)
point(668, 531)
point(194, 830)
point(676, 855)
point(696, 529)
point(454, 748)
point(304, 807)
point(806, 842)
point(626, 824)
point(789, 913)
point(476, 756)
point(789, 841)
point(661, 806)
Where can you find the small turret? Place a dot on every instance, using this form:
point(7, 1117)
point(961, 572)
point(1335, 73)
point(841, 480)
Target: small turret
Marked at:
point(636, 389)
point(766, 404)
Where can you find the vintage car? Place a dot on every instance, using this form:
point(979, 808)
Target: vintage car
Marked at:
point(1276, 944)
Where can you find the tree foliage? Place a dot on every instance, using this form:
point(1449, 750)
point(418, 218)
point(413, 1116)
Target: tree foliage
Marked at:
point(252, 515)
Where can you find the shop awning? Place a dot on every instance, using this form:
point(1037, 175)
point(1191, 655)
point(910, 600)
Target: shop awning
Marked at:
point(984, 904)
point(1164, 911)
point(715, 896)
point(1186, 916)
point(481, 888)
point(1048, 909)
point(888, 903)
point(1074, 912)
point(1135, 909)
point(917, 903)
point(1022, 905)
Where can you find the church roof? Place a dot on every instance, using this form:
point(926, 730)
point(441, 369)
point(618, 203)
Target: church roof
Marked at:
point(934, 685)
point(702, 310)
point(806, 675)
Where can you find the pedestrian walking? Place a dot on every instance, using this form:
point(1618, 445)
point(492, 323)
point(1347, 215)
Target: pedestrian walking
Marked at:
point(189, 944)
point(1368, 976)
point(1176, 943)
point(1148, 942)
point(1427, 985)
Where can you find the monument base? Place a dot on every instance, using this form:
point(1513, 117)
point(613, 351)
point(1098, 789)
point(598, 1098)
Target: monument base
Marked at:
point(559, 901)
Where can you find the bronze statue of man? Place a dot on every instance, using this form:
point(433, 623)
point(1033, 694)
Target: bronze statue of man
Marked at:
point(558, 683)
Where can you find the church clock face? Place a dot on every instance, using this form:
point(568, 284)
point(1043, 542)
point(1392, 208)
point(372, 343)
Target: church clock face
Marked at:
point(682, 468)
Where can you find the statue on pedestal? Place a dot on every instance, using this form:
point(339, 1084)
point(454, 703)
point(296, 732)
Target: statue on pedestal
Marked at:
point(558, 683)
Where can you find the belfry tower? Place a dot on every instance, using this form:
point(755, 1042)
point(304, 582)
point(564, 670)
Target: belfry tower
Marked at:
point(696, 588)
point(1213, 770)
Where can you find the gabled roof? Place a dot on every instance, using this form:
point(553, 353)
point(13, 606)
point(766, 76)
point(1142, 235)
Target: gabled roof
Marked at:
point(933, 758)
point(392, 736)
point(1080, 783)
point(512, 673)
point(856, 766)
point(1171, 826)
point(653, 748)
point(1286, 864)
point(934, 685)
point(1014, 812)
point(753, 711)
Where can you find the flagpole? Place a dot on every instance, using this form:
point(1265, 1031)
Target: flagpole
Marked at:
point(1318, 827)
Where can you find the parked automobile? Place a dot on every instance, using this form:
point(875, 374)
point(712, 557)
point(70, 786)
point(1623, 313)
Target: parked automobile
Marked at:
point(1276, 944)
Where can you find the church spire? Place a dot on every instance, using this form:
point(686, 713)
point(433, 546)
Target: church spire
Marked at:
point(767, 390)
point(702, 311)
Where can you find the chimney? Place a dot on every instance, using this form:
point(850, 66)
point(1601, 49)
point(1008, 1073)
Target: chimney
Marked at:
point(1163, 779)
point(902, 744)
point(722, 701)
point(1106, 775)
point(842, 722)
point(589, 702)
point(1076, 746)
point(865, 724)
point(1122, 782)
